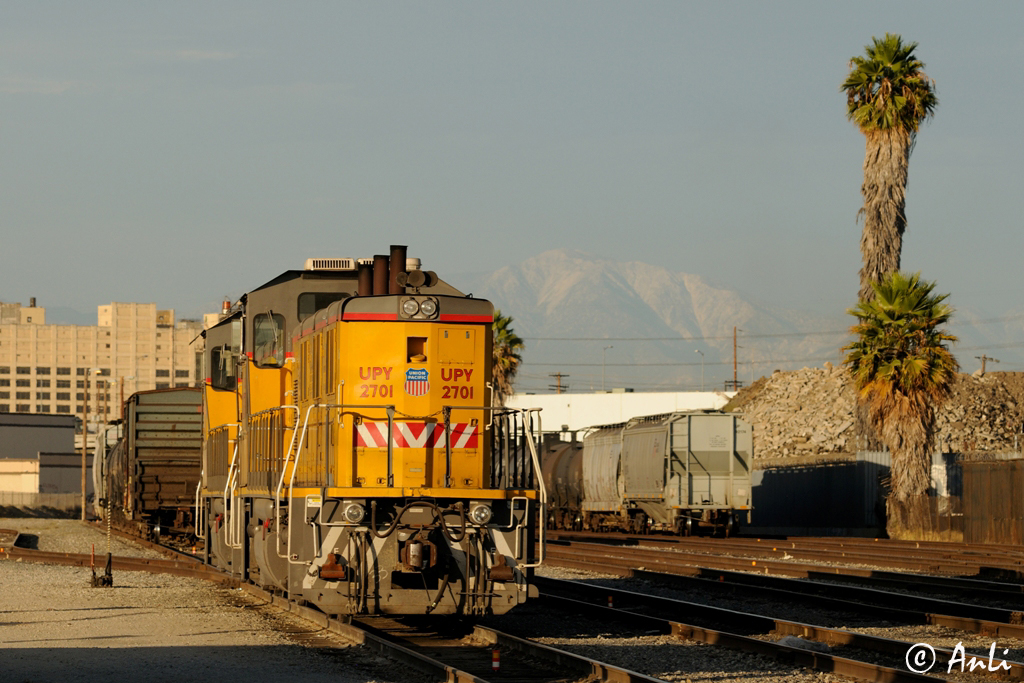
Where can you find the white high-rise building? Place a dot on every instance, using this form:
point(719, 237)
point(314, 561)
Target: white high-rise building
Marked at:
point(134, 347)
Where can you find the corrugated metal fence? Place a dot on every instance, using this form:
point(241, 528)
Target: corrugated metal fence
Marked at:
point(993, 493)
point(847, 496)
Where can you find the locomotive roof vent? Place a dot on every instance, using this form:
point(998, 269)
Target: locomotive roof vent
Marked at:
point(410, 263)
point(330, 264)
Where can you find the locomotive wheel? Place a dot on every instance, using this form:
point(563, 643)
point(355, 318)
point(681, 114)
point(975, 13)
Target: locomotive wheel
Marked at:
point(732, 526)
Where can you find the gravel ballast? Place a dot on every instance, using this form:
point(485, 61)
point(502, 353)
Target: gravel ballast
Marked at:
point(153, 627)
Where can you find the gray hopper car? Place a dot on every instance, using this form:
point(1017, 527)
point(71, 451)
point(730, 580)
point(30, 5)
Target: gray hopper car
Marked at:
point(679, 472)
point(152, 473)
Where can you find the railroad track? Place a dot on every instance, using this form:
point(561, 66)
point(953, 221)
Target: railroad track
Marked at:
point(1003, 592)
point(447, 652)
point(903, 607)
point(467, 659)
point(924, 556)
point(779, 565)
point(738, 630)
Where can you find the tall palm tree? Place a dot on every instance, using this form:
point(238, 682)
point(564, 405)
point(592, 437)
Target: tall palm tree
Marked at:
point(888, 96)
point(507, 346)
point(903, 370)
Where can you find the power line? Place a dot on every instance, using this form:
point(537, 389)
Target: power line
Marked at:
point(659, 365)
point(687, 339)
point(810, 333)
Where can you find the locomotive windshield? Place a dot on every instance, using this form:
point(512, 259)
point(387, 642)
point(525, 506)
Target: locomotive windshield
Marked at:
point(268, 339)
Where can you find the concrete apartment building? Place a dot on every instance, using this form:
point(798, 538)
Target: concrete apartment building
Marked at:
point(56, 368)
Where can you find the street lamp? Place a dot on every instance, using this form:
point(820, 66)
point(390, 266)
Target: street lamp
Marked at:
point(701, 368)
point(603, 352)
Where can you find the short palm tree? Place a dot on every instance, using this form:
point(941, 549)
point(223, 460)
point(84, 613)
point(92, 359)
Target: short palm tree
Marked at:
point(903, 370)
point(888, 96)
point(506, 350)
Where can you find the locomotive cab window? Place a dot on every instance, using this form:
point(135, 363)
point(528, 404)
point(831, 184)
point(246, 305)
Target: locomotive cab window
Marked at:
point(268, 339)
point(222, 368)
point(311, 302)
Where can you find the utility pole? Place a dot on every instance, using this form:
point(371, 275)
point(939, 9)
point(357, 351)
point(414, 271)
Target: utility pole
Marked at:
point(85, 435)
point(984, 358)
point(735, 383)
point(603, 351)
point(734, 379)
point(558, 386)
point(701, 368)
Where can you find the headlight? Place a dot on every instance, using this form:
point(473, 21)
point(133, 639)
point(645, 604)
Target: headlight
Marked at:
point(428, 307)
point(410, 307)
point(480, 514)
point(354, 513)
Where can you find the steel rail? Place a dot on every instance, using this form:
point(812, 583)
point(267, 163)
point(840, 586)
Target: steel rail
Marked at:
point(971, 624)
point(541, 662)
point(692, 559)
point(947, 561)
point(627, 601)
point(813, 541)
point(994, 590)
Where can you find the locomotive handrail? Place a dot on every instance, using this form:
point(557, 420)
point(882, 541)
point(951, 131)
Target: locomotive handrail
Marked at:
point(533, 456)
point(230, 510)
point(298, 453)
point(200, 523)
point(543, 492)
point(200, 509)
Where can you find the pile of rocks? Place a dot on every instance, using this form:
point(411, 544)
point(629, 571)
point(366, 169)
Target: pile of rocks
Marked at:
point(810, 412)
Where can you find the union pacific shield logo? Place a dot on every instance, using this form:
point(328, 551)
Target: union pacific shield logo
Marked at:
point(416, 383)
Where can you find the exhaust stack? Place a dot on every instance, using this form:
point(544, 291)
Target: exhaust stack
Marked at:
point(398, 254)
point(380, 274)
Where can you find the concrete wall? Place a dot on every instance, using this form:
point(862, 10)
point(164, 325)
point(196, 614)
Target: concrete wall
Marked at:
point(62, 473)
point(20, 476)
point(580, 411)
point(23, 436)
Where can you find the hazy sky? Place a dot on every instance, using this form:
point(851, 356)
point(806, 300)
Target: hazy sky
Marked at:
point(177, 152)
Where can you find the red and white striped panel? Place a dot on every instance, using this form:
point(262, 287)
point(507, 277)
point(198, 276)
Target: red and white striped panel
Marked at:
point(415, 435)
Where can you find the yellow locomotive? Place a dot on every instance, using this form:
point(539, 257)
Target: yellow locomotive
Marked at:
point(351, 457)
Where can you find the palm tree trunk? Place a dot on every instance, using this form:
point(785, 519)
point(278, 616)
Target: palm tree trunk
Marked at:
point(908, 433)
point(909, 519)
point(886, 161)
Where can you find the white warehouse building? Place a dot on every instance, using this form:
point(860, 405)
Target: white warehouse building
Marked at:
point(579, 411)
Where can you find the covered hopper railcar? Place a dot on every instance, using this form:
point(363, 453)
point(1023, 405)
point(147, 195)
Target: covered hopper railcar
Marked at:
point(680, 472)
point(352, 458)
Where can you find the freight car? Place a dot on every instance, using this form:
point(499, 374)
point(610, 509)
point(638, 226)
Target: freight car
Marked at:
point(680, 472)
point(147, 480)
point(352, 458)
point(562, 465)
